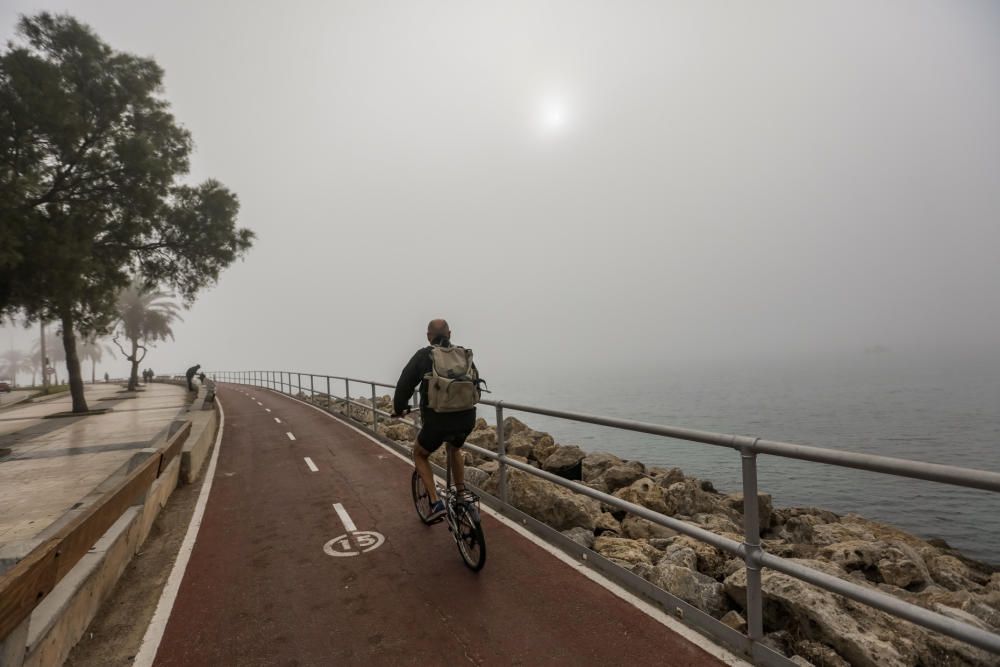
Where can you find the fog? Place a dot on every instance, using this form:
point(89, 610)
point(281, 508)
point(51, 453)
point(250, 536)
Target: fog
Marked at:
point(617, 185)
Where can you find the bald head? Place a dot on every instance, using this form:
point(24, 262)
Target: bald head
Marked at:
point(438, 329)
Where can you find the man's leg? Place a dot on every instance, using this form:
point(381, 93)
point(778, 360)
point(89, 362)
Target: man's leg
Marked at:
point(423, 467)
point(457, 466)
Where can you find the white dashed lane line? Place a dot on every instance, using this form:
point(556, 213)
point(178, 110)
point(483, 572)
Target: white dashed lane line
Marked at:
point(277, 420)
point(312, 466)
point(345, 518)
point(290, 436)
point(268, 409)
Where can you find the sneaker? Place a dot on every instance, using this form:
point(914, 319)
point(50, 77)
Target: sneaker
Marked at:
point(437, 510)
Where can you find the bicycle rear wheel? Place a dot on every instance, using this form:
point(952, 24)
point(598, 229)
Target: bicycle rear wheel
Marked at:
point(471, 543)
point(421, 499)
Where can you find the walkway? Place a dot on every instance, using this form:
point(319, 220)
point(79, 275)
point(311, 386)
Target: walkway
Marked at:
point(260, 589)
point(53, 464)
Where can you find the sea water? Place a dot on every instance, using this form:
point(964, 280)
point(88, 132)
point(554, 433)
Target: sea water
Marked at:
point(938, 413)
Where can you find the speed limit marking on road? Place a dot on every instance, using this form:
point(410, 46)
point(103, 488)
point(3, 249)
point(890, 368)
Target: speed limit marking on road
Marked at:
point(355, 542)
point(363, 542)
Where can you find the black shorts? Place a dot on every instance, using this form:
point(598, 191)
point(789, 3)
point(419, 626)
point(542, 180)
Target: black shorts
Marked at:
point(441, 427)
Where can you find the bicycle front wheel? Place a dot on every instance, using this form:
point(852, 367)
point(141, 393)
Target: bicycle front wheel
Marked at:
point(471, 543)
point(421, 499)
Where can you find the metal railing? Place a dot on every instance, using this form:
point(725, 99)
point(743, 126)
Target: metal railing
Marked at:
point(750, 550)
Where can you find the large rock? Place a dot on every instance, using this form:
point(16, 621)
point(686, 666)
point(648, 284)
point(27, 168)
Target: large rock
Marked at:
point(519, 445)
point(693, 587)
point(646, 493)
point(819, 654)
point(622, 550)
point(666, 476)
point(853, 555)
point(489, 467)
point(485, 438)
point(688, 498)
point(607, 523)
point(440, 457)
point(720, 524)
point(864, 636)
point(621, 475)
point(950, 572)
point(764, 507)
point(594, 465)
point(542, 445)
point(710, 560)
point(549, 503)
point(735, 620)
point(565, 462)
point(901, 565)
point(679, 553)
point(795, 524)
point(513, 426)
point(581, 536)
point(638, 528)
point(832, 533)
point(476, 477)
point(399, 432)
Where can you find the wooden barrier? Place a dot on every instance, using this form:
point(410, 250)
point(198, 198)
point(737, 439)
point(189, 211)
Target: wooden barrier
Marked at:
point(33, 577)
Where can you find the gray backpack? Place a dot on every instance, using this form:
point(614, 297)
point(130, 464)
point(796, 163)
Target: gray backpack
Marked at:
point(453, 383)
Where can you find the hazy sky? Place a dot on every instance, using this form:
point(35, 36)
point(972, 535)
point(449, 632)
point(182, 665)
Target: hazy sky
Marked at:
point(642, 182)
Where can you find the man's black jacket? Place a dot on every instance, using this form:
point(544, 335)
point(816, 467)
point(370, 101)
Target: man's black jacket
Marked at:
point(413, 374)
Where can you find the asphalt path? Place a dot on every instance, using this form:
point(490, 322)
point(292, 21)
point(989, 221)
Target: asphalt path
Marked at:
point(263, 588)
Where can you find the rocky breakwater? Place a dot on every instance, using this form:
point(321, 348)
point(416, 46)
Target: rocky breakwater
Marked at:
point(810, 625)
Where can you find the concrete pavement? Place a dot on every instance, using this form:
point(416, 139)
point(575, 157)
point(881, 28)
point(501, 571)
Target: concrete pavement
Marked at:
point(54, 465)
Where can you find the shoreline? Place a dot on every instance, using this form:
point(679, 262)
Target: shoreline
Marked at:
point(819, 627)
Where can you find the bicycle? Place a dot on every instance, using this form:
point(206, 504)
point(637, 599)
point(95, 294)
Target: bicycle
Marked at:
point(461, 513)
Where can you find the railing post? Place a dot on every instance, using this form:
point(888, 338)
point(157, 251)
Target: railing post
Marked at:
point(329, 398)
point(312, 391)
point(502, 451)
point(374, 413)
point(347, 397)
point(751, 541)
point(300, 382)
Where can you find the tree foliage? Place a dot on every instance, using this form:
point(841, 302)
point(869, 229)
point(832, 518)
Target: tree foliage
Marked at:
point(90, 158)
point(144, 317)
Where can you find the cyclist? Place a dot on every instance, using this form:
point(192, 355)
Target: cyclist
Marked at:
point(436, 428)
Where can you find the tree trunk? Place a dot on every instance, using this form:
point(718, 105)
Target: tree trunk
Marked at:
point(45, 359)
point(93, 371)
point(133, 378)
point(73, 365)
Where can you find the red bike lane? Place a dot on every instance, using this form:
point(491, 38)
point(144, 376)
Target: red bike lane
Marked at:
point(261, 590)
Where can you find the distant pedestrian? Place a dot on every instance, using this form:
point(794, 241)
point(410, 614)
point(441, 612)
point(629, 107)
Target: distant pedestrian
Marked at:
point(106, 378)
point(191, 372)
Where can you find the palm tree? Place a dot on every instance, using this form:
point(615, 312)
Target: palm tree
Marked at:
point(144, 317)
point(54, 350)
point(16, 361)
point(91, 349)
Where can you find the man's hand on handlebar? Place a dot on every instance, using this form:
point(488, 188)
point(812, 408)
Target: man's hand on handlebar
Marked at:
point(400, 415)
